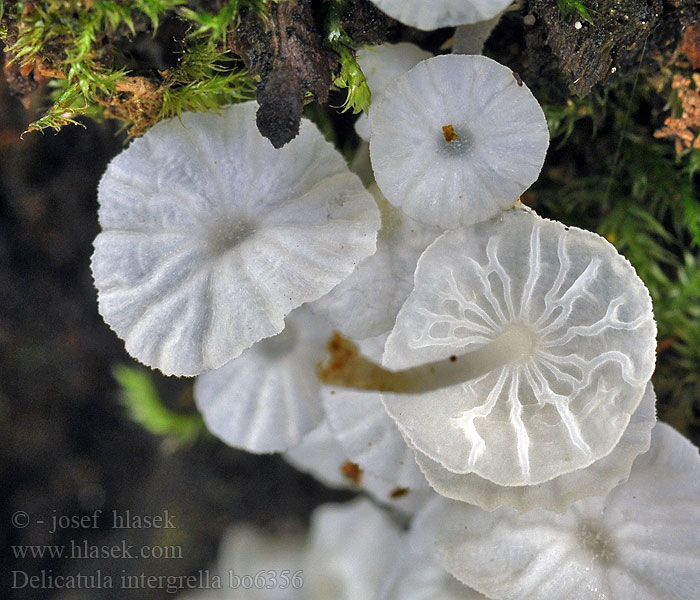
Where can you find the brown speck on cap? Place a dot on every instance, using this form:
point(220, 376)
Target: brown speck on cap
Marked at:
point(449, 132)
point(352, 471)
point(399, 492)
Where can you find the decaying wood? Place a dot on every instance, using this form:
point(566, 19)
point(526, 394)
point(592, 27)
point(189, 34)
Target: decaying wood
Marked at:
point(288, 55)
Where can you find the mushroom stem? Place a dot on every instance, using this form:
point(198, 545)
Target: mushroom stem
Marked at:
point(470, 39)
point(346, 367)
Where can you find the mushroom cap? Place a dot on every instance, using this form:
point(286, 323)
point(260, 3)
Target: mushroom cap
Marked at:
point(267, 399)
point(366, 432)
point(500, 144)
point(640, 541)
point(559, 493)
point(321, 455)
point(349, 550)
point(366, 303)
point(425, 15)
point(416, 573)
point(380, 65)
point(585, 323)
point(210, 236)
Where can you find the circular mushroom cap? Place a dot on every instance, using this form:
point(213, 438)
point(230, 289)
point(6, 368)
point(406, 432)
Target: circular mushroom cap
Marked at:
point(366, 303)
point(586, 335)
point(641, 541)
point(267, 399)
point(367, 433)
point(210, 236)
point(380, 65)
point(559, 493)
point(456, 140)
point(433, 14)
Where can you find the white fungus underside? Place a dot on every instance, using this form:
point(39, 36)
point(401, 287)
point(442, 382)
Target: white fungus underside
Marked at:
point(366, 303)
point(366, 432)
point(321, 455)
point(565, 407)
point(267, 399)
point(210, 236)
point(380, 65)
point(500, 121)
point(559, 493)
point(646, 544)
point(432, 14)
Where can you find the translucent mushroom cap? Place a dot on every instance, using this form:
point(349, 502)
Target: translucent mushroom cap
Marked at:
point(267, 399)
point(380, 65)
point(456, 139)
point(570, 328)
point(210, 236)
point(559, 493)
point(641, 541)
point(432, 14)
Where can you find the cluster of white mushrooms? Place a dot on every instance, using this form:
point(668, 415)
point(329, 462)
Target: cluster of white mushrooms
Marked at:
point(490, 359)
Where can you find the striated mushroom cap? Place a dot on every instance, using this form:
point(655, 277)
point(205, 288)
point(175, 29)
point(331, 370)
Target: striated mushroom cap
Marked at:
point(577, 347)
point(267, 399)
point(559, 493)
point(456, 139)
point(211, 237)
point(642, 541)
point(433, 14)
point(380, 65)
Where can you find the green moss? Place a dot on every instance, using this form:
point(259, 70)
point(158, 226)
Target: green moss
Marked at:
point(77, 44)
point(608, 173)
point(350, 77)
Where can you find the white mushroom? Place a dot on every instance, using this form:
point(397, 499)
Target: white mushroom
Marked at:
point(520, 355)
point(210, 236)
point(380, 65)
point(416, 573)
point(321, 455)
point(642, 541)
point(559, 493)
point(456, 139)
point(267, 399)
point(432, 14)
point(366, 303)
point(367, 434)
point(349, 551)
point(345, 556)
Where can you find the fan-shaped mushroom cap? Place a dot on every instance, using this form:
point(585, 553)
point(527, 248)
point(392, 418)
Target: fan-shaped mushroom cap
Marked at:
point(572, 323)
point(366, 303)
point(321, 455)
point(210, 236)
point(380, 65)
point(641, 541)
point(416, 574)
point(559, 493)
point(366, 432)
point(456, 139)
point(267, 399)
point(433, 14)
